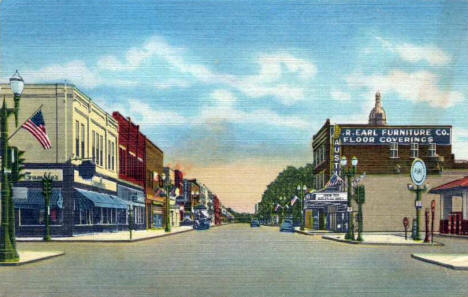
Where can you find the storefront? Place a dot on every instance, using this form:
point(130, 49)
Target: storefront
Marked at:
point(30, 208)
point(135, 198)
point(453, 206)
point(326, 210)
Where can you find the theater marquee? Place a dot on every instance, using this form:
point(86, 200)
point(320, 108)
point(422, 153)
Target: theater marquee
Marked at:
point(400, 135)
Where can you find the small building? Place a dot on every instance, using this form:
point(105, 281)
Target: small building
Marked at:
point(154, 202)
point(385, 154)
point(453, 206)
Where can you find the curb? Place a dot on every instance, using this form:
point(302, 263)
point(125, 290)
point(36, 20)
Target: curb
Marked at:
point(414, 256)
point(451, 236)
point(108, 241)
point(312, 233)
point(381, 244)
point(32, 261)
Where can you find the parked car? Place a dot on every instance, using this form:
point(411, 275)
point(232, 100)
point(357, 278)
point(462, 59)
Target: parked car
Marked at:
point(186, 222)
point(254, 223)
point(287, 226)
point(202, 218)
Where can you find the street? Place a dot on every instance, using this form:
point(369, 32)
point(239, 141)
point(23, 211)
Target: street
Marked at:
point(234, 260)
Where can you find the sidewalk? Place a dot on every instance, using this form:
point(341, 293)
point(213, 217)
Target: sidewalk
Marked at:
point(382, 239)
point(453, 261)
point(26, 257)
point(122, 236)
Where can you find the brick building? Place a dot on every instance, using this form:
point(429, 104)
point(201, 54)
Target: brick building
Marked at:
point(385, 153)
point(131, 147)
point(154, 202)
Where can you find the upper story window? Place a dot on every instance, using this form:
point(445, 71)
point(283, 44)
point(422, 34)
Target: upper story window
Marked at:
point(414, 151)
point(93, 147)
point(82, 140)
point(432, 150)
point(393, 150)
point(77, 139)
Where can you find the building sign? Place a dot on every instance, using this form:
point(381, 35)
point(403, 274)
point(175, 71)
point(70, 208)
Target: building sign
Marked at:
point(331, 196)
point(38, 174)
point(187, 190)
point(335, 151)
point(400, 135)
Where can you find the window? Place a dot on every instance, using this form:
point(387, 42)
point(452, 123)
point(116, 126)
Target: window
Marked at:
point(82, 141)
point(93, 149)
point(432, 150)
point(122, 153)
point(101, 148)
point(414, 150)
point(108, 150)
point(393, 150)
point(77, 138)
point(112, 156)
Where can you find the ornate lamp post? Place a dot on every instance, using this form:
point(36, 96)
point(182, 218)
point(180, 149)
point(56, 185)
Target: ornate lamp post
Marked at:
point(349, 172)
point(168, 204)
point(8, 251)
point(302, 191)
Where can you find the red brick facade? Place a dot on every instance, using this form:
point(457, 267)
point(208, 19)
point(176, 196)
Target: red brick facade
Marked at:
point(131, 151)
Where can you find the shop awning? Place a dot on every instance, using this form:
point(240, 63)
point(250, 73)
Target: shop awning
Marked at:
point(35, 199)
point(101, 199)
point(459, 184)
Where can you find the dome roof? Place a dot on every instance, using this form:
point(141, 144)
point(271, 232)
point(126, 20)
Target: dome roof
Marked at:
point(377, 115)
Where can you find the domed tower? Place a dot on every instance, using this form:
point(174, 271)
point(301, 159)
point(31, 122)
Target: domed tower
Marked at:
point(377, 115)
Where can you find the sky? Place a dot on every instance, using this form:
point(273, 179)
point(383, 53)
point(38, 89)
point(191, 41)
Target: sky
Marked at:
point(233, 91)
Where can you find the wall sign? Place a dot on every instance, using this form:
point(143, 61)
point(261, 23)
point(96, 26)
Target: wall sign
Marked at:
point(402, 136)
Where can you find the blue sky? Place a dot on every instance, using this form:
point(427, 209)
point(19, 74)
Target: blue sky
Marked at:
point(222, 83)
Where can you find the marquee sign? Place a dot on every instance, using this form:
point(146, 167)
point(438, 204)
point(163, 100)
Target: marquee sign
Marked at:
point(400, 135)
point(331, 196)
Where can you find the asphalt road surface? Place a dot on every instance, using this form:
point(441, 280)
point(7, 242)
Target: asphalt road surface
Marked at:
point(234, 260)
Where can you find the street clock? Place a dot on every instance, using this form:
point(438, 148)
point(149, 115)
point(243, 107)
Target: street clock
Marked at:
point(418, 172)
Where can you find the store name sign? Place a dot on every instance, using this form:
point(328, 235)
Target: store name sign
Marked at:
point(403, 136)
point(38, 174)
point(337, 196)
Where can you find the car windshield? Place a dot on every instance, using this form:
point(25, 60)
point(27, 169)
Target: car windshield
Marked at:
point(288, 222)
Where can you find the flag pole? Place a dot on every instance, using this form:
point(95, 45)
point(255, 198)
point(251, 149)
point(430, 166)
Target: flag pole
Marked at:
point(19, 127)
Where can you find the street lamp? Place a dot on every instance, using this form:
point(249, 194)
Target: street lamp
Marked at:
point(349, 172)
point(302, 191)
point(8, 251)
point(168, 205)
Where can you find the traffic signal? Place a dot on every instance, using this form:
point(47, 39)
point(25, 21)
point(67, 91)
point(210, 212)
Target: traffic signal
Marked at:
point(46, 185)
point(360, 194)
point(16, 163)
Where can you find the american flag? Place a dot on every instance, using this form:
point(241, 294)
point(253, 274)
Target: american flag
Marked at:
point(335, 180)
point(36, 126)
point(294, 200)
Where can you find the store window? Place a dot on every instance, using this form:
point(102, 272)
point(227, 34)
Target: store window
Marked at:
point(393, 150)
point(432, 150)
point(414, 151)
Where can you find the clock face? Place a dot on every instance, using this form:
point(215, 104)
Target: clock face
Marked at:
point(418, 172)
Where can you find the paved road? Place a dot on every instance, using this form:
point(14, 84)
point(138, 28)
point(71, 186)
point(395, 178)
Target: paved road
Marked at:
point(234, 260)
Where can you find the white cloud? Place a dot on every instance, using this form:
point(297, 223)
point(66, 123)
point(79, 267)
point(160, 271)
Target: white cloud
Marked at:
point(420, 86)
point(172, 83)
point(75, 72)
point(281, 75)
point(414, 53)
point(224, 110)
point(148, 115)
point(340, 95)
